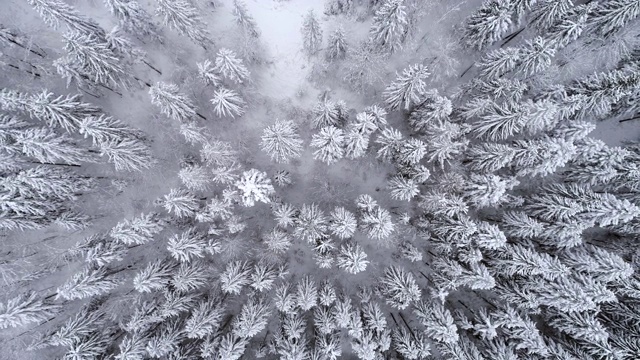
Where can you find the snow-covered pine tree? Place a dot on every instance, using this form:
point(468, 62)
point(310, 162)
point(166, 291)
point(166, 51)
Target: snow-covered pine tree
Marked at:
point(87, 283)
point(408, 88)
point(208, 73)
point(205, 318)
point(412, 346)
point(488, 24)
point(230, 66)
point(402, 188)
point(277, 241)
point(342, 223)
point(236, 276)
point(536, 55)
point(67, 112)
point(53, 12)
point(547, 13)
point(571, 25)
point(390, 26)
point(231, 347)
point(154, 277)
point(218, 153)
point(127, 154)
point(337, 47)
point(263, 277)
point(330, 144)
point(281, 141)
point(399, 287)
point(612, 16)
point(133, 18)
point(253, 318)
point(244, 19)
point(601, 264)
point(306, 293)
point(139, 230)
point(352, 258)
point(91, 57)
point(165, 340)
point(411, 151)
point(254, 185)
point(285, 214)
point(311, 223)
point(47, 147)
point(172, 102)
point(24, 309)
point(184, 18)
point(311, 34)
point(195, 177)
point(500, 61)
point(433, 108)
point(438, 322)
point(181, 203)
point(329, 113)
point(356, 142)
point(188, 245)
point(101, 129)
point(227, 102)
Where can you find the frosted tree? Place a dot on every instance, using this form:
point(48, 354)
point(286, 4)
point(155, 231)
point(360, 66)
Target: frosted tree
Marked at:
point(581, 326)
point(488, 190)
point(330, 144)
point(232, 347)
point(281, 141)
point(547, 13)
point(285, 214)
point(282, 178)
point(352, 259)
point(599, 263)
point(277, 241)
point(47, 146)
point(411, 151)
point(24, 309)
point(218, 153)
point(337, 47)
point(227, 102)
point(133, 18)
point(571, 25)
point(139, 230)
point(311, 223)
point(612, 16)
point(193, 133)
point(390, 25)
point(408, 89)
point(263, 277)
point(208, 73)
point(364, 67)
point(195, 177)
point(187, 246)
point(438, 322)
point(172, 102)
point(181, 203)
point(432, 109)
point(244, 19)
point(356, 143)
point(536, 56)
point(127, 154)
point(402, 188)
point(67, 112)
point(165, 340)
point(342, 223)
point(205, 319)
point(399, 287)
point(183, 17)
point(92, 57)
point(306, 293)
point(101, 129)
point(190, 277)
point(253, 318)
point(255, 186)
point(329, 113)
point(488, 24)
point(155, 276)
point(311, 34)
point(377, 223)
point(53, 12)
point(411, 347)
point(236, 276)
point(230, 66)
point(87, 283)
point(390, 141)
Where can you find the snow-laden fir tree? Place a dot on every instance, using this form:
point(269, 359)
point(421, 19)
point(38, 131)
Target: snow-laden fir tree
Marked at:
point(87, 283)
point(329, 113)
point(432, 109)
point(139, 230)
point(536, 56)
point(172, 102)
point(244, 19)
point(253, 318)
point(323, 320)
point(402, 188)
point(411, 346)
point(230, 66)
point(236, 276)
point(180, 203)
point(165, 340)
point(282, 178)
point(231, 347)
point(342, 223)
point(208, 73)
point(190, 276)
point(281, 141)
point(227, 102)
point(188, 245)
point(155, 276)
point(193, 133)
point(408, 88)
point(329, 143)
point(311, 223)
point(611, 16)
point(437, 320)
point(24, 309)
point(311, 34)
point(254, 185)
point(546, 13)
point(377, 223)
point(571, 25)
point(390, 26)
point(53, 12)
point(277, 241)
point(306, 293)
point(184, 18)
point(263, 277)
point(195, 177)
point(352, 258)
point(285, 214)
point(218, 153)
point(102, 129)
point(337, 45)
point(133, 18)
point(446, 141)
point(47, 147)
point(488, 24)
point(355, 143)
point(205, 318)
point(67, 112)
point(399, 287)
point(127, 154)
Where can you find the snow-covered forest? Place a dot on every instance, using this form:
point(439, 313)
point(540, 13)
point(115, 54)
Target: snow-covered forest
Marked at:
point(319, 179)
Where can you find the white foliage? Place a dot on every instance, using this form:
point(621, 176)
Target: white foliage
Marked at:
point(227, 102)
point(255, 186)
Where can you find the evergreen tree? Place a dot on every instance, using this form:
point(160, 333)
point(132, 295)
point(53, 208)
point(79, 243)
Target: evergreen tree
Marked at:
point(194, 177)
point(306, 293)
point(139, 230)
point(133, 18)
point(205, 319)
point(356, 143)
point(235, 277)
point(377, 223)
point(218, 153)
point(187, 246)
point(227, 102)
point(500, 61)
point(263, 277)
point(338, 47)
point(208, 73)
point(438, 322)
point(281, 141)
point(408, 89)
point(399, 287)
point(244, 19)
point(329, 113)
point(46, 146)
point(311, 34)
point(103, 129)
point(255, 186)
point(571, 25)
point(601, 264)
point(127, 154)
point(390, 141)
point(181, 203)
point(330, 144)
point(548, 12)
point(390, 25)
point(409, 346)
point(230, 66)
point(488, 24)
point(343, 223)
point(155, 276)
point(432, 109)
point(54, 11)
point(67, 112)
point(253, 318)
point(87, 283)
point(611, 16)
point(311, 223)
point(171, 102)
point(536, 56)
point(352, 259)
point(183, 17)
point(24, 309)
point(402, 188)
point(581, 326)
point(411, 151)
